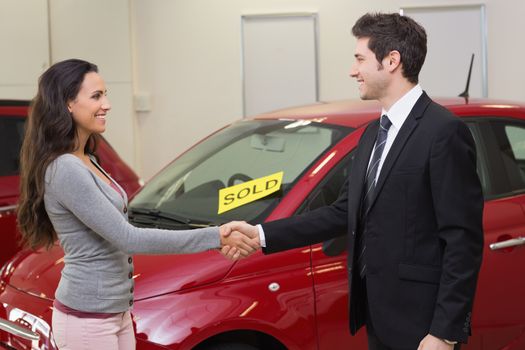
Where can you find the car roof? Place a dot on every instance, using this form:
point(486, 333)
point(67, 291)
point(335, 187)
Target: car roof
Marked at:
point(355, 113)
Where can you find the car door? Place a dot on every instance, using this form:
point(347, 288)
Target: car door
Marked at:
point(11, 132)
point(329, 270)
point(499, 309)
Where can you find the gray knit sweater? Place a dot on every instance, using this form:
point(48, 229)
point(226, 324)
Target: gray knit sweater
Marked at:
point(92, 226)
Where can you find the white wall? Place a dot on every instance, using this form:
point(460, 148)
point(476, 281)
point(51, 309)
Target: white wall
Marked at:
point(506, 70)
point(24, 46)
point(99, 31)
point(37, 33)
point(186, 55)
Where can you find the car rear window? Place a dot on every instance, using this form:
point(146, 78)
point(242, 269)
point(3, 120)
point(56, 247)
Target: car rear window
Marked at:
point(11, 134)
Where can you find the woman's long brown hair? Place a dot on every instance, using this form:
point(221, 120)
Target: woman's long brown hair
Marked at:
point(50, 132)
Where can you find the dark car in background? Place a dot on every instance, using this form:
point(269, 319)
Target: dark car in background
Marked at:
point(297, 299)
point(13, 114)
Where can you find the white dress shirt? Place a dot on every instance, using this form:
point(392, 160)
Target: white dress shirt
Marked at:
point(397, 114)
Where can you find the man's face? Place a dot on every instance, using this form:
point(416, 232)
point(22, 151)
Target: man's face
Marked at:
point(373, 80)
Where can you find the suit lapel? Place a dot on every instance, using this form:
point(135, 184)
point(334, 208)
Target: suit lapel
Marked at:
point(402, 137)
point(360, 166)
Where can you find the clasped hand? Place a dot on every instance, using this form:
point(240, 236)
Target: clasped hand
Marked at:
point(239, 240)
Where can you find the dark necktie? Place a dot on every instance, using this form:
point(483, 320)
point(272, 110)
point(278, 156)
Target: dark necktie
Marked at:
point(370, 184)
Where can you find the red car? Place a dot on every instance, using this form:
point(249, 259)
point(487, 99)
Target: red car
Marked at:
point(295, 299)
point(12, 117)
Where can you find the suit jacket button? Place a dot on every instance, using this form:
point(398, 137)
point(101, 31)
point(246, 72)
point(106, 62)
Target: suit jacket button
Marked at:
point(131, 290)
point(125, 210)
point(130, 260)
point(130, 275)
point(130, 302)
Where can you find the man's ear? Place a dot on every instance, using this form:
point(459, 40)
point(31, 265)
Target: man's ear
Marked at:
point(393, 60)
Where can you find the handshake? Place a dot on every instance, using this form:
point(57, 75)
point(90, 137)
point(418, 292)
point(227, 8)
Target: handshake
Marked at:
point(239, 240)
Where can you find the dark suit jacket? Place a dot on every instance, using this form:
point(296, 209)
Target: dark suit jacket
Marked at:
point(423, 232)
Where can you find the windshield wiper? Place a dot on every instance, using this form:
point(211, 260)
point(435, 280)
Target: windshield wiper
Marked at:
point(157, 214)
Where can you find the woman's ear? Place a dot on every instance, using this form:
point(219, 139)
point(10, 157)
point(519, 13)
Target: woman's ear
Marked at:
point(70, 106)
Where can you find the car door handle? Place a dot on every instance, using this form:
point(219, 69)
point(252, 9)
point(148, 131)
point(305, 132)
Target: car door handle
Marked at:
point(508, 243)
point(17, 330)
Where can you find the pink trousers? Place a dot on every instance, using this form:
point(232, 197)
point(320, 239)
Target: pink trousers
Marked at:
point(74, 333)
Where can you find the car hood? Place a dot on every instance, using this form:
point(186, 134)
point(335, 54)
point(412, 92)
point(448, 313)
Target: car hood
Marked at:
point(38, 273)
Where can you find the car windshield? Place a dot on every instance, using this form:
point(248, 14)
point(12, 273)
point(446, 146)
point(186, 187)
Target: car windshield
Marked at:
point(189, 187)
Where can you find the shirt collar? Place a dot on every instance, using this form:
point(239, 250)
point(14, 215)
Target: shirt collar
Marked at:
point(400, 110)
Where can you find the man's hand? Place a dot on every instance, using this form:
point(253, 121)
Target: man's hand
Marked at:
point(240, 230)
point(432, 343)
point(235, 243)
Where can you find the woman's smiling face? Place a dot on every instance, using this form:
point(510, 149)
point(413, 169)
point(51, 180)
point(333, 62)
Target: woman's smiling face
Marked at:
point(90, 106)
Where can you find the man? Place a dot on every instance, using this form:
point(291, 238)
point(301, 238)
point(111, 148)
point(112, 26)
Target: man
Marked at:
point(411, 207)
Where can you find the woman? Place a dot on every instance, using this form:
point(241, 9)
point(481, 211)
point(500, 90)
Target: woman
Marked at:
point(66, 195)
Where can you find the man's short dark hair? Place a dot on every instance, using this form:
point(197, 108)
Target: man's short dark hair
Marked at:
point(388, 32)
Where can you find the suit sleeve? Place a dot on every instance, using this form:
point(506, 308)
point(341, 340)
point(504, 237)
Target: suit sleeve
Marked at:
point(309, 228)
point(316, 226)
point(458, 205)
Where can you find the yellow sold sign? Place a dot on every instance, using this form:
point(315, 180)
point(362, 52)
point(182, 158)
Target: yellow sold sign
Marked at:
point(235, 196)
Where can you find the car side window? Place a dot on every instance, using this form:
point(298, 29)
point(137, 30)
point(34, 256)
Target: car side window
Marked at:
point(481, 164)
point(325, 194)
point(328, 190)
point(510, 142)
point(11, 134)
point(516, 137)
